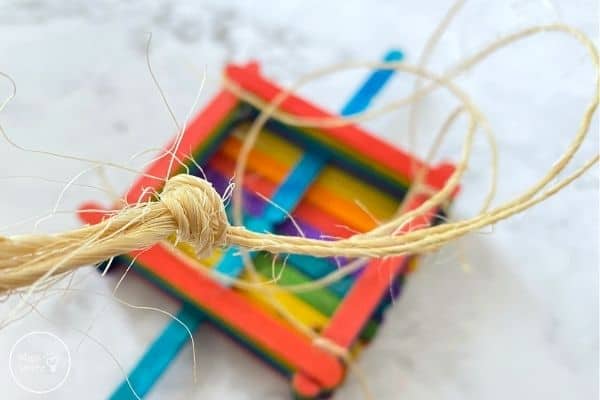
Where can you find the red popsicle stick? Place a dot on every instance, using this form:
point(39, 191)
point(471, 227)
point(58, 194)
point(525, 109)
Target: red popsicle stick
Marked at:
point(224, 103)
point(269, 333)
point(364, 296)
point(397, 161)
point(199, 130)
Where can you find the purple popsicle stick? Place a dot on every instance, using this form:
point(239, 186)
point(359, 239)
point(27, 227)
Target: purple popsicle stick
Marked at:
point(254, 205)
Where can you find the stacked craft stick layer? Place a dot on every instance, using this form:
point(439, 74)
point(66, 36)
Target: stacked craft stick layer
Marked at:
point(334, 182)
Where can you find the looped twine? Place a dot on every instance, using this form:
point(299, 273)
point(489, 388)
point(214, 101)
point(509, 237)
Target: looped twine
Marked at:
point(198, 212)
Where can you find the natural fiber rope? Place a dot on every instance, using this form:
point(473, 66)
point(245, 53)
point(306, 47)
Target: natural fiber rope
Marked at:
point(190, 208)
point(25, 259)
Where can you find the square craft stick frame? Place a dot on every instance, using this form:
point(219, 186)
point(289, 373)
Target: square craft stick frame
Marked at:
point(210, 140)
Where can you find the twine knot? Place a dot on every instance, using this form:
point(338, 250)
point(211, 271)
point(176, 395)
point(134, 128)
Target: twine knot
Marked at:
point(198, 212)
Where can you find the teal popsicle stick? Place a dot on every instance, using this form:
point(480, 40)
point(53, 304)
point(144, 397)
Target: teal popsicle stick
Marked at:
point(166, 347)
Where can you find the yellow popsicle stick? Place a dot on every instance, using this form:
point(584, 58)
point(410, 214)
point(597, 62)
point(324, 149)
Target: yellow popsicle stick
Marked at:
point(347, 212)
point(333, 178)
point(304, 312)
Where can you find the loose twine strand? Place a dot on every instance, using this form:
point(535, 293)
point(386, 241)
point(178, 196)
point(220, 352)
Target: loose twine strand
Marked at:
point(191, 209)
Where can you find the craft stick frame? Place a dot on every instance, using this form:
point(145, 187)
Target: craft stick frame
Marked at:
point(315, 371)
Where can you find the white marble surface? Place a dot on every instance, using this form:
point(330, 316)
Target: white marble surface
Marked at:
point(521, 323)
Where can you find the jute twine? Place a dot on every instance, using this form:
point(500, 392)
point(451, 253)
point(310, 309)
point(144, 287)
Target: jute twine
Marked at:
point(190, 208)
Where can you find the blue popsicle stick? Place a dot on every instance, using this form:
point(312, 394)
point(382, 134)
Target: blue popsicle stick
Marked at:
point(367, 92)
point(166, 347)
point(156, 360)
point(360, 101)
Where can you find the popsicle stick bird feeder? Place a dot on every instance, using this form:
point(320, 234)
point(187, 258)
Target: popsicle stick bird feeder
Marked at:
point(334, 182)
